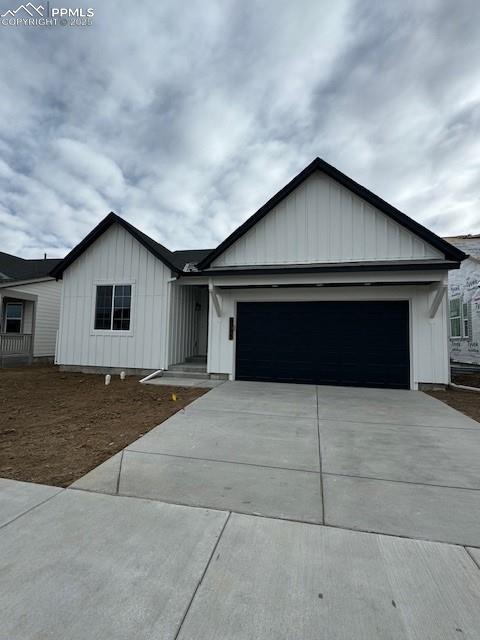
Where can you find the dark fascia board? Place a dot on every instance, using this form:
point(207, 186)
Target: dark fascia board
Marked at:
point(347, 267)
point(450, 252)
point(158, 250)
point(327, 285)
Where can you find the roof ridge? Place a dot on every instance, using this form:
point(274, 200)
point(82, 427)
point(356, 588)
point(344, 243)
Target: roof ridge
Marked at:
point(318, 164)
point(156, 248)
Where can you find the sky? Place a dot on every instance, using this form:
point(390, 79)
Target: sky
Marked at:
point(184, 118)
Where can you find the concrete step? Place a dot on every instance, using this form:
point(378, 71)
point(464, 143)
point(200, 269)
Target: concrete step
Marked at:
point(189, 366)
point(197, 375)
point(197, 359)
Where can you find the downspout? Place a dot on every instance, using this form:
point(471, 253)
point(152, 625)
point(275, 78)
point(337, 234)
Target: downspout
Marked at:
point(166, 338)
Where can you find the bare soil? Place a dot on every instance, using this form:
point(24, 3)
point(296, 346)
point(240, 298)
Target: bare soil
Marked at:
point(468, 402)
point(467, 378)
point(55, 426)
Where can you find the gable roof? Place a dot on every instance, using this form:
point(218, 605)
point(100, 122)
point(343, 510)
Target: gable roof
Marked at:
point(450, 252)
point(175, 260)
point(13, 268)
point(157, 249)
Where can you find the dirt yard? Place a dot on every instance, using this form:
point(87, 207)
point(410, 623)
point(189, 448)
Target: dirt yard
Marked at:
point(468, 402)
point(467, 378)
point(55, 427)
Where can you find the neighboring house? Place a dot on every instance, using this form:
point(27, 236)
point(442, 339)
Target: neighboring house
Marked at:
point(326, 283)
point(464, 302)
point(29, 309)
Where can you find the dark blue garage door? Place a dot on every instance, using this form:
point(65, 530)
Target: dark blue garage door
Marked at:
point(339, 343)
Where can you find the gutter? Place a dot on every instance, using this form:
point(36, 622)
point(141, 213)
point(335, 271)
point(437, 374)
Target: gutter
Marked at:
point(16, 283)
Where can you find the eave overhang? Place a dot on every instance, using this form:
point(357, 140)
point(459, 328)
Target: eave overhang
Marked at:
point(343, 267)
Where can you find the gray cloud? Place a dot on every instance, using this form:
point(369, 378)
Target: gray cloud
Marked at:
point(185, 120)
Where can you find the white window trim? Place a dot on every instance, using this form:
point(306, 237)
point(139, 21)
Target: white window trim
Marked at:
point(111, 332)
point(465, 319)
point(456, 317)
point(7, 304)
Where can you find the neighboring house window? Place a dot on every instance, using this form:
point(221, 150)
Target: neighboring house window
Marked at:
point(13, 317)
point(455, 318)
point(465, 320)
point(112, 307)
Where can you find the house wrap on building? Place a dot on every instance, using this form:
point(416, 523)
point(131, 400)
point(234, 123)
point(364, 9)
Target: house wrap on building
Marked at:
point(464, 302)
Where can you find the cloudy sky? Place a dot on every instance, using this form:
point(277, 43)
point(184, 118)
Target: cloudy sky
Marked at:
point(185, 117)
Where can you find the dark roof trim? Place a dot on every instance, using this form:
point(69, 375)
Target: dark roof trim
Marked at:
point(450, 252)
point(322, 285)
point(158, 250)
point(347, 267)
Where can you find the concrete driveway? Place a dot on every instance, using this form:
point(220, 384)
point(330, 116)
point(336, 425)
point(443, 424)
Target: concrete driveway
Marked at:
point(395, 462)
point(79, 564)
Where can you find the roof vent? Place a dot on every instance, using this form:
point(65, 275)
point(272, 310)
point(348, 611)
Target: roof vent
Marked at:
point(190, 266)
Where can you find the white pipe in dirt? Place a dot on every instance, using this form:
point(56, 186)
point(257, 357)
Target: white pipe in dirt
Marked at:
point(122, 375)
point(108, 379)
point(151, 375)
point(463, 387)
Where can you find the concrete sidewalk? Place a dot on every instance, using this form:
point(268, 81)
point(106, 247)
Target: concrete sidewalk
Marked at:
point(84, 565)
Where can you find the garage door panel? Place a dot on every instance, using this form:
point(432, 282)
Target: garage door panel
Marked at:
point(338, 343)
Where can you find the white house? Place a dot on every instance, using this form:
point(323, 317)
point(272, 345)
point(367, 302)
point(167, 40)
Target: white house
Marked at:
point(464, 302)
point(326, 283)
point(29, 310)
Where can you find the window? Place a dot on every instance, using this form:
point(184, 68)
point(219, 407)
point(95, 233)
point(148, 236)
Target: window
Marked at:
point(459, 318)
point(455, 320)
point(465, 320)
point(121, 307)
point(13, 317)
point(112, 307)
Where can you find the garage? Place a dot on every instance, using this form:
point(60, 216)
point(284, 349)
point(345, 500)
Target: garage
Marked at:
point(364, 344)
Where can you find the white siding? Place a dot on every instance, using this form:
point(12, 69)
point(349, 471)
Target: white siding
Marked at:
point(188, 322)
point(47, 315)
point(182, 323)
point(428, 337)
point(116, 257)
point(322, 221)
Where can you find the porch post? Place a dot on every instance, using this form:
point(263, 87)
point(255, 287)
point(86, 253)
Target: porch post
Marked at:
point(1, 329)
point(32, 337)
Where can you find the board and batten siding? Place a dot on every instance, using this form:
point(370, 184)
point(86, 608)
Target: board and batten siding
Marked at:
point(44, 319)
point(322, 221)
point(182, 322)
point(115, 258)
point(188, 322)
